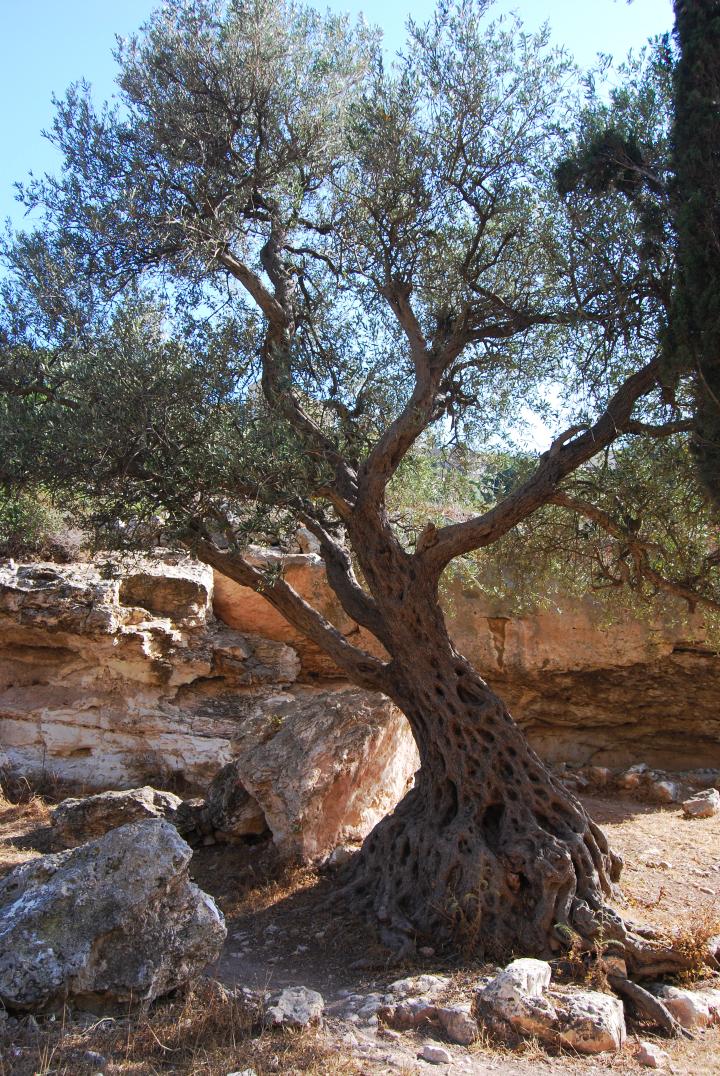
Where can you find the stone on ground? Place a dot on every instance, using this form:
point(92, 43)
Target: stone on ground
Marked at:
point(436, 1055)
point(589, 1021)
point(296, 1006)
point(691, 1008)
point(703, 804)
point(419, 986)
point(458, 1024)
point(76, 821)
point(519, 996)
point(114, 922)
point(525, 978)
point(651, 1056)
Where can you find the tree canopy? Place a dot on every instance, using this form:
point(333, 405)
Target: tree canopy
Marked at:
point(273, 263)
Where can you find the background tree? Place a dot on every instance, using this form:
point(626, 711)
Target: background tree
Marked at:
point(266, 278)
point(694, 331)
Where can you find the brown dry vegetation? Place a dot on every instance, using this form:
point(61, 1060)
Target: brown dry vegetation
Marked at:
point(209, 1031)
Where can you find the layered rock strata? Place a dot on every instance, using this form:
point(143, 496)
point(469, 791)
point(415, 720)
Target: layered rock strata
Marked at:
point(104, 692)
point(586, 691)
point(154, 672)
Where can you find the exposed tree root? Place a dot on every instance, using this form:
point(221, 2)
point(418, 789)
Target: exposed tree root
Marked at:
point(648, 1005)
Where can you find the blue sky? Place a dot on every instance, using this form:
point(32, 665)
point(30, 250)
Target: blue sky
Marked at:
point(47, 44)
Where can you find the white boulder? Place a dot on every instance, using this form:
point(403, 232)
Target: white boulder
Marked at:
point(586, 1021)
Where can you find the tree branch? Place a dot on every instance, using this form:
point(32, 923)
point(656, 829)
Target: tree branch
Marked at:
point(666, 429)
point(340, 575)
point(361, 667)
point(638, 549)
point(441, 546)
point(254, 286)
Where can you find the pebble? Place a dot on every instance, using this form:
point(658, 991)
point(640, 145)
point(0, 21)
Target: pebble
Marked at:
point(436, 1055)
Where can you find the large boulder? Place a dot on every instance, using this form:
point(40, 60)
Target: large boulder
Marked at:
point(323, 766)
point(76, 821)
point(111, 923)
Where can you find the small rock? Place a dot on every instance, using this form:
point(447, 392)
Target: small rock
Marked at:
point(665, 791)
point(589, 1021)
point(409, 1014)
point(419, 986)
point(426, 950)
point(689, 1007)
point(458, 1024)
point(340, 855)
point(526, 977)
point(703, 804)
point(436, 1055)
point(91, 1057)
point(599, 775)
point(651, 1056)
point(296, 1006)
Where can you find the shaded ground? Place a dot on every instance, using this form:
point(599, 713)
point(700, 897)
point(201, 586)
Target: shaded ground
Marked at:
point(282, 932)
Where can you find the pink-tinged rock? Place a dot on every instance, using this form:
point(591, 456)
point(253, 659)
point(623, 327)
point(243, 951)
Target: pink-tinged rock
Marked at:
point(703, 804)
point(458, 1024)
point(689, 1007)
point(651, 1056)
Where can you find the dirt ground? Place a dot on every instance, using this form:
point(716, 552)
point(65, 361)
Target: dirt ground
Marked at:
point(281, 931)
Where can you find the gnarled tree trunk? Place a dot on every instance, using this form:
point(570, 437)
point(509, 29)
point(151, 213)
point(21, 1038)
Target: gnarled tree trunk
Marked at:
point(488, 850)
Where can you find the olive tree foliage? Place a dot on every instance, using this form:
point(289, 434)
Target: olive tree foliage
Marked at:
point(276, 272)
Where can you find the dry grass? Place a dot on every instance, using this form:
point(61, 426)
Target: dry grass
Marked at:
point(22, 814)
point(207, 1033)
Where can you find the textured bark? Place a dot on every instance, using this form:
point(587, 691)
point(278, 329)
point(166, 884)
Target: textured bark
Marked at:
point(488, 851)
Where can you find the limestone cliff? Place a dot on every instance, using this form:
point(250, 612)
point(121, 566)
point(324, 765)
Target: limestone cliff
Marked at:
point(155, 672)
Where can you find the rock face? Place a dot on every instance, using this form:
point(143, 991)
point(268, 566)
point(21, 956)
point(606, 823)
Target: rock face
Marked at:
point(152, 672)
point(76, 821)
point(113, 922)
point(108, 693)
point(583, 690)
point(112, 695)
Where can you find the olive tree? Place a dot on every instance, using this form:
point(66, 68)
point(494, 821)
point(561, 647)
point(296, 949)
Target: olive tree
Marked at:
point(267, 275)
